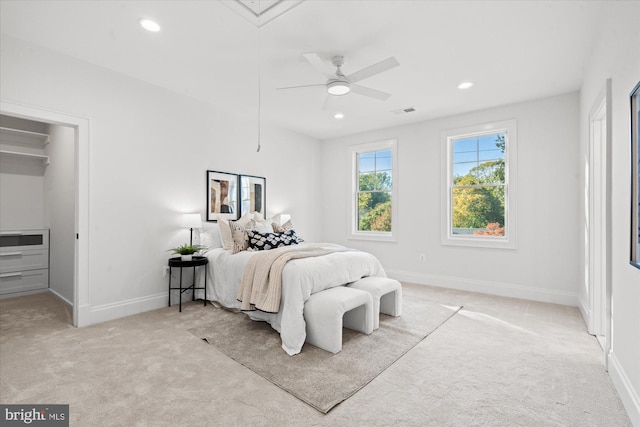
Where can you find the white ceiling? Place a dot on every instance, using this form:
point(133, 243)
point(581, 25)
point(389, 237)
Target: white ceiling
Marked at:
point(512, 50)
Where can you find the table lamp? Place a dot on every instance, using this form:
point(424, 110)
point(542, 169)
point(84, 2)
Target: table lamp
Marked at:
point(191, 221)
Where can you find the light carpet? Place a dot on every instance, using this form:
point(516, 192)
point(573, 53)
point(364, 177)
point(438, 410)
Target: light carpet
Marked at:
point(498, 362)
point(317, 377)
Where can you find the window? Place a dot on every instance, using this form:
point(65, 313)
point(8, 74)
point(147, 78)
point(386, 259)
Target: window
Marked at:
point(479, 198)
point(374, 201)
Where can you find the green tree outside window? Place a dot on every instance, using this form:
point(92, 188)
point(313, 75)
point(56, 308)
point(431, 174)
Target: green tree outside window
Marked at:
point(374, 191)
point(479, 182)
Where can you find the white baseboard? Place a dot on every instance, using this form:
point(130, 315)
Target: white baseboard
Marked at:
point(103, 313)
point(629, 396)
point(586, 314)
point(66, 301)
point(83, 316)
point(24, 293)
point(485, 287)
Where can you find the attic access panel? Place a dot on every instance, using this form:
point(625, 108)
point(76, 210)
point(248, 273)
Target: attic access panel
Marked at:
point(261, 12)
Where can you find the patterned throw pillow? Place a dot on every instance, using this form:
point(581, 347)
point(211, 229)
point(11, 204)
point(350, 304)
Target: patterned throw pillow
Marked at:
point(285, 227)
point(282, 228)
point(264, 241)
point(239, 234)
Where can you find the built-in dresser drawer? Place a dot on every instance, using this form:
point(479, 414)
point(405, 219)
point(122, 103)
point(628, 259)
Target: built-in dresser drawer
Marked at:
point(24, 261)
point(22, 281)
point(11, 261)
point(12, 240)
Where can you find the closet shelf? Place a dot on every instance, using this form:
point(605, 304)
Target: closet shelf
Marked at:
point(44, 159)
point(25, 136)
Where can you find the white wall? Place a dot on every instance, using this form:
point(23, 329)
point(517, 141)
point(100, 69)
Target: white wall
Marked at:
point(149, 150)
point(616, 55)
point(59, 210)
point(545, 264)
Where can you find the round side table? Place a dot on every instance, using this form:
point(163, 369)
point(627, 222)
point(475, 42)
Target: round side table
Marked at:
point(197, 261)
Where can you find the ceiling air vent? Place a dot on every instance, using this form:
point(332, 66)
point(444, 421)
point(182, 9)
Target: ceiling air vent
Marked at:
point(404, 110)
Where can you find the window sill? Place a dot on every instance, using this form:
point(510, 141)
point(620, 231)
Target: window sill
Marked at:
point(379, 237)
point(479, 242)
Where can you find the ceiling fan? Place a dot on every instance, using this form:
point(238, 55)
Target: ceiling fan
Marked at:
point(338, 84)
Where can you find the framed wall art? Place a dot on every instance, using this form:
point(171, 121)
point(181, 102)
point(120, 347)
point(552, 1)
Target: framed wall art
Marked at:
point(253, 195)
point(635, 176)
point(222, 196)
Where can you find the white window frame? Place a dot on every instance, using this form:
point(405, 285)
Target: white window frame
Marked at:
point(354, 233)
point(508, 241)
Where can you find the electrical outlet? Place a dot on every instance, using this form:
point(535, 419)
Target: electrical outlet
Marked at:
point(422, 258)
point(165, 270)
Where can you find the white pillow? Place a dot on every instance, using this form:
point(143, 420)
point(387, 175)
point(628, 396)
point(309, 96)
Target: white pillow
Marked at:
point(244, 220)
point(210, 238)
point(262, 225)
point(225, 233)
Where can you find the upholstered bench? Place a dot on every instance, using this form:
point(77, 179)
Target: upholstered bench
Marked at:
point(386, 294)
point(326, 312)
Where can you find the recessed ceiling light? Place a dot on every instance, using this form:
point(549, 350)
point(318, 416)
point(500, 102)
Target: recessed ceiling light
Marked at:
point(465, 85)
point(338, 116)
point(149, 25)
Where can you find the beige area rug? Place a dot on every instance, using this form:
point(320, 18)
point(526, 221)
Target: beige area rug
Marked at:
point(317, 377)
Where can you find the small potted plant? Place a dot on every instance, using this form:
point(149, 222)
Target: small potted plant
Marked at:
point(186, 251)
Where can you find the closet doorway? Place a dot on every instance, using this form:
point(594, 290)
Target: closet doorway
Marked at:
point(76, 230)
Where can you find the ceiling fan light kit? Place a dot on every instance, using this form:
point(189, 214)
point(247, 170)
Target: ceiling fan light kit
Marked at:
point(338, 87)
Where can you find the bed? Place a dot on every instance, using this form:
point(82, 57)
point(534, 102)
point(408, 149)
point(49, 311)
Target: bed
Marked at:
point(300, 278)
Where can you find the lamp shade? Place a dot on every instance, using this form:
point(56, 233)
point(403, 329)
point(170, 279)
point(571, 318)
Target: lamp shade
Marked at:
point(191, 221)
point(284, 218)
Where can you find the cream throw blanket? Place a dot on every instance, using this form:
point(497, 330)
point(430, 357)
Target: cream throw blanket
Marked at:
point(261, 285)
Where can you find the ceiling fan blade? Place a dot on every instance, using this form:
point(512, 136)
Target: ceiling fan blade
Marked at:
point(320, 65)
point(329, 103)
point(373, 93)
point(325, 104)
point(299, 87)
point(372, 70)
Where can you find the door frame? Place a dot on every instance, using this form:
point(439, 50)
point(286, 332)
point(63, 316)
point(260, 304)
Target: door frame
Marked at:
point(599, 219)
point(81, 257)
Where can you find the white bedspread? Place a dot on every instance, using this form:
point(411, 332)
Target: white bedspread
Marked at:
point(300, 279)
